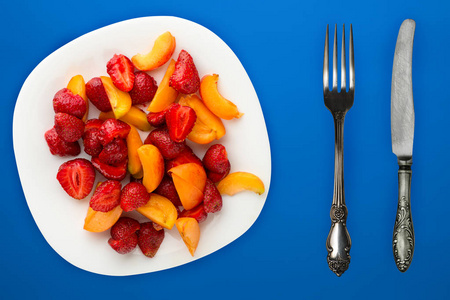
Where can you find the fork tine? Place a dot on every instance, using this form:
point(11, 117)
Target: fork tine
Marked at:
point(343, 72)
point(326, 59)
point(351, 62)
point(335, 79)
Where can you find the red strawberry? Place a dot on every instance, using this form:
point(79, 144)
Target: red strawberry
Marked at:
point(110, 172)
point(187, 156)
point(216, 159)
point(138, 180)
point(180, 120)
point(96, 93)
point(92, 145)
point(68, 127)
point(160, 138)
point(76, 177)
point(167, 189)
point(149, 239)
point(197, 213)
point(107, 196)
point(134, 195)
point(65, 101)
point(114, 152)
point(112, 129)
point(121, 70)
point(185, 78)
point(124, 246)
point(157, 119)
point(216, 177)
point(92, 123)
point(59, 147)
point(144, 88)
point(212, 200)
point(124, 227)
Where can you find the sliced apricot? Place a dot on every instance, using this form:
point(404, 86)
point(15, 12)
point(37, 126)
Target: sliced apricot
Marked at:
point(135, 116)
point(190, 195)
point(219, 105)
point(133, 143)
point(192, 173)
point(160, 210)
point(161, 52)
point(189, 230)
point(152, 166)
point(165, 94)
point(97, 221)
point(78, 87)
point(201, 133)
point(240, 181)
point(120, 100)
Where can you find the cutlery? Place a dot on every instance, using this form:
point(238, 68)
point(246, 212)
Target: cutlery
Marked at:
point(338, 241)
point(402, 131)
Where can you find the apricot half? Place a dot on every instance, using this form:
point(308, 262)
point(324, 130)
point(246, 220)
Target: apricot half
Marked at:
point(120, 100)
point(160, 210)
point(134, 116)
point(189, 230)
point(189, 180)
point(240, 181)
point(97, 221)
point(134, 162)
point(161, 52)
point(208, 126)
point(165, 94)
point(219, 105)
point(78, 87)
point(152, 166)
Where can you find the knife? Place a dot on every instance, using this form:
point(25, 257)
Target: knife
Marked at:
point(402, 131)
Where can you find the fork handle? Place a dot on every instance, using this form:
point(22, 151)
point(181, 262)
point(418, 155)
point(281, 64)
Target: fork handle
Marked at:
point(403, 237)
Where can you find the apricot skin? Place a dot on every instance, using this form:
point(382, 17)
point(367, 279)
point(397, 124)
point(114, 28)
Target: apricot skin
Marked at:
point(120, 100)
point(97, 221)
point(160, 210)
point(134, 162)
point(161, 52)
point(237, 182)
point(165, 94)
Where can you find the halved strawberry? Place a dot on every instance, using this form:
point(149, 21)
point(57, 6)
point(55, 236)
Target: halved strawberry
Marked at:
point(124, 227)
point(67, 102)
point(121, 70)
point(197, 213)
point(93, 123)
point(149, 239)
point(134, 195)
point(185, 78)
point(114, 152)
point(212, 200)
point(117, 172)
point(144, 88)
point(68, 127)
point(160, 138)
point(180, 120)
point(107, 196)
point(59, 147)
point(96, 93)
point(76, 177)
point(111, 129)
point(124, 246)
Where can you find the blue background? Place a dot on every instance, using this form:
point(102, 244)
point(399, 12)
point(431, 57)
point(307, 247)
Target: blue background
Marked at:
point(283, 254)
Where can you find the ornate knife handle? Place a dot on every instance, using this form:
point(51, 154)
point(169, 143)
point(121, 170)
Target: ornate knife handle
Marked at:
point(338, 241)
point(403, 238)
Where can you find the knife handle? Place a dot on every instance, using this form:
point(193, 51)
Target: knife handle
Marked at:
point(403, 238)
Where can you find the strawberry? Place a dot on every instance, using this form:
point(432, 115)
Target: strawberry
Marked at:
point(107, 196)
point(111, 129)
point(68, 127)
point(157, 119)
point(59, 147)
point(121, 70)
point(124, 227)
point(134, 195)
point(187, 156)
point(216, 159)
point(212, 200)
point(180, 120)
point(138, 180)
point(197, 213)
point(216, 177)
point(92, 145)
point(160, 138)
point(114, 152)
point(144, 88)
point(124, 246)
point(185, 78)
point(76, 177)
point(117, 172)
point(93, 123)
point(167, 189)
point(149, 239)
point(96, 93)
point(67, 102)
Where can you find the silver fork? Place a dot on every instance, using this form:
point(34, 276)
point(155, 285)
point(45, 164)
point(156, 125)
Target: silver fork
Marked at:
point(338, 241)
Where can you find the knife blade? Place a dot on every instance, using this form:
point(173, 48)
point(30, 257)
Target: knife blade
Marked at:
point(402, 133)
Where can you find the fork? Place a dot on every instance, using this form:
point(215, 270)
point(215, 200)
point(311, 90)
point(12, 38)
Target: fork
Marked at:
point(338, 241)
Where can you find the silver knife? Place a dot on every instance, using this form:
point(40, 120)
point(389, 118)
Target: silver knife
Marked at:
point(402, 131)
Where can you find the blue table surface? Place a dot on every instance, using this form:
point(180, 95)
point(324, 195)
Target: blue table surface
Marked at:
point(283, 254)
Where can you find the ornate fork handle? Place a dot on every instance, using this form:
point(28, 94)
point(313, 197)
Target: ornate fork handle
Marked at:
point(338, 242)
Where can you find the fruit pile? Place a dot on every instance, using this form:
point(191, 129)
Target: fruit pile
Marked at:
point(168, 183)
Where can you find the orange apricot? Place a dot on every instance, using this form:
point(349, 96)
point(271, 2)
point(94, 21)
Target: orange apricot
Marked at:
point(120, 100)
point(160, 210)
point(161, 52)
point(240, 181)
point(190, 195)
point(152, 166)
point(97, 221)
point(192, 173)
point(189, 230)
point(135, 116)
point(165, 94)
point(78, 87)
point(134, 162)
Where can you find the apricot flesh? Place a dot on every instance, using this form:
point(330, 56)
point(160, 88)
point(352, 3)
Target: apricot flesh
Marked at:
point(165, 94)
point(134, 116)
point(237, 182)
point(219, 105)
point(134, 162)
point(152, 166)
point(161, 52)
point(190, 195)
point(78, 87)
point(97, 221)
point(189, 230)
point(192, 173)
point(120, 100)
point(160, 210)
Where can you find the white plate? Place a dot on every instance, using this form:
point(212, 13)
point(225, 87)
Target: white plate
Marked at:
point(61, 218)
